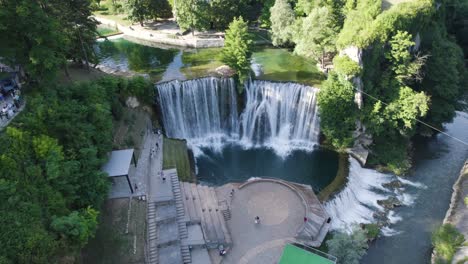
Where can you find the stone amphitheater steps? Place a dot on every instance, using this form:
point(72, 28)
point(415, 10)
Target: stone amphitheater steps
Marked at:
point(202, 205)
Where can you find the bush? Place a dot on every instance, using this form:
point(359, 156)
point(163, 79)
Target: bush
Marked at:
point(348, 248)
point(446, 240)
point(345, 66)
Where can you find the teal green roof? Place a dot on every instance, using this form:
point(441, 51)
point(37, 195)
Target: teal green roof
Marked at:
point(295, 255)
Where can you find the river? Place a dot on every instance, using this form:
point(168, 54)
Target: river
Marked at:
point(437, 165)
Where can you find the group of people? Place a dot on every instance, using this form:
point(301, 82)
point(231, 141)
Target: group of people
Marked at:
point(10, 108)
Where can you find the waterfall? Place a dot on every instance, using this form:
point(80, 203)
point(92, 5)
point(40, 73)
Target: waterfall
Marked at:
point(203, 111)
point(282, 116)
point(357, 202)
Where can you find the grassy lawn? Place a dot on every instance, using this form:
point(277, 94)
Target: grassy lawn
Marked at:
point(106, 31)
point(112, 244)
point(176, 156)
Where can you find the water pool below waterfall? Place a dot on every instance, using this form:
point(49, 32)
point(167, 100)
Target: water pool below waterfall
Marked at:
point(234, 163)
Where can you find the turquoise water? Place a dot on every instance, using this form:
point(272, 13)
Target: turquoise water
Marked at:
point(165, 64)
point(236, 164)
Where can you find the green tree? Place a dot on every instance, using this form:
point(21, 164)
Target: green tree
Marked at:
point(31, 39)
point(159, 9)
point(222, 12)
point(316, 36)
point(238, 48)
point(76, 227)
point(265, 14)
point(338, 111)
point(348, 248)
point(303, 7)
point(446, 240)
point(445, 79)
point(345, 66)
point(192, 14)
point(404, 64)
point(137, 10)
point(282, 21)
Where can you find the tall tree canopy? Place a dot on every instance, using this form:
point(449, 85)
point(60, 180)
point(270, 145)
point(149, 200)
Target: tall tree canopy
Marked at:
point(348, 248)
point(316, 35)
point(238, 47)
point(41, 36)
point(282, 21)
point(192, 14)
point(338, 112)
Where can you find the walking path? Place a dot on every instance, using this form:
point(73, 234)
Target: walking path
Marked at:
point(167, 33)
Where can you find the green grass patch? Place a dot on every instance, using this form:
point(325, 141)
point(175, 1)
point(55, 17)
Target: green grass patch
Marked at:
point(105, 31)
point(176, 156)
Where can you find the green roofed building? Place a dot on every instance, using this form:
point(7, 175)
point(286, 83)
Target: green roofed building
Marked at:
point(295, 255)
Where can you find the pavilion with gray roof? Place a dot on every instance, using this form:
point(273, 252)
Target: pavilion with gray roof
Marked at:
point(119, 164)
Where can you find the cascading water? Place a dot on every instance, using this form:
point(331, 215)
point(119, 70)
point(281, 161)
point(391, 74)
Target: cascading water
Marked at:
point(358, 201)
point(203, 111)
point(282, 116)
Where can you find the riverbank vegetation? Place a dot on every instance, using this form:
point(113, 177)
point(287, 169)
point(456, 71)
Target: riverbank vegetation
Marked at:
point(348, 248)
point(446, 240)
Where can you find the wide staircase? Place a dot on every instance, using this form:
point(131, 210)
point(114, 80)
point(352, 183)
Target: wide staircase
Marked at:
point(202, 206)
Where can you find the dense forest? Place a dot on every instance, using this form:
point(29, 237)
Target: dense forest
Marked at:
point(413, 67)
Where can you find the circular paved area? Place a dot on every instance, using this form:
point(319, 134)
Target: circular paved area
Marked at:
point(281, 213)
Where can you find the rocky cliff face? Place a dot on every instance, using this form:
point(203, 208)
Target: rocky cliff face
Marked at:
point(361, 139)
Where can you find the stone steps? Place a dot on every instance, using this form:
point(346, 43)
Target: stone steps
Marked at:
point(186, 256)
point(152, 233)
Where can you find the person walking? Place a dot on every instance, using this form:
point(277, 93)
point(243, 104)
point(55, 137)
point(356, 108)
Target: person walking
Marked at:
point(257, 220)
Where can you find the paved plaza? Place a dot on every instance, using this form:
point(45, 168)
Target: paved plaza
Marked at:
point(281, 213)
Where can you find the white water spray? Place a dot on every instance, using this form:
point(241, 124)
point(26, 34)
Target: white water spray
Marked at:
point(357, 202)
point(281, 116)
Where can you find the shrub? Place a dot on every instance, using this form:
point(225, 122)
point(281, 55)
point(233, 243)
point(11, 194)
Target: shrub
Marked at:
point(446, 239)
